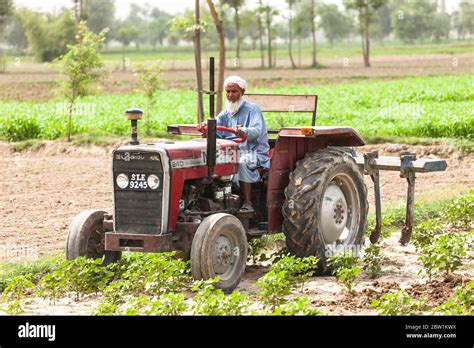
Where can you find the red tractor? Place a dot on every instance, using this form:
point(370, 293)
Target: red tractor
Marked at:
point(179, 196)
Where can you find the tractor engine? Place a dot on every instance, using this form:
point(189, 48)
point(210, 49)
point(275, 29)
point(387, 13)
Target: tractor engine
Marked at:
point(205, 197)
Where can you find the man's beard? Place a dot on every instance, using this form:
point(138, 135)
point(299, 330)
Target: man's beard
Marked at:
point(233, 107)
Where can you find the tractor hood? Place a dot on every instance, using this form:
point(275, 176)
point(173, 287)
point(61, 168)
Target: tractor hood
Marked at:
point(190, 153)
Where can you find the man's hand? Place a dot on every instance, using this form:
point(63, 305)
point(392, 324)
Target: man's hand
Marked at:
point(240, 132)
point(202, 127)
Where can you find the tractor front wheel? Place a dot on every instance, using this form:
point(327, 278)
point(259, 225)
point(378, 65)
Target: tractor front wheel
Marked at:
point(219, 248)
point(86, 237)
point(326, 206)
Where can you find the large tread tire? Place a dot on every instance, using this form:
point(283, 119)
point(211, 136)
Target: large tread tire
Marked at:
point(304, 195)
point(204, 246)
point(86, 238)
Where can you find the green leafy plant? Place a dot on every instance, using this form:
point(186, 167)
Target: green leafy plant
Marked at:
point(81, 65)
point(460, 211)
point(297, 307)
point(345, 267)
point(212, 301)
point(152, 274)
point(444, 254)
point(284, 274)
point(398, 303)
point(298, 270)
point(136, 305)
point(274, 287)
point(149, 78)
point(424, 233)
point(17, 288)
point(460, 303)
point(169, 304)
point(371, 260)
point(81, 275)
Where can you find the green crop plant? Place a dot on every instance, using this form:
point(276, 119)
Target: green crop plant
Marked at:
point(430, 107)
point(169, 304)
point(17, 289)
point(212, 301)
point(297, 307)
point(371, 260)
point(425, 232)
point(345, 266)
point(444, 254)
point(460, 303)
point(398, 303)
point(460, 211)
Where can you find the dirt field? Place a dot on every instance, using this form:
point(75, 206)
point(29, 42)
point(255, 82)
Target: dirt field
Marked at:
point(43, 190)
point(33, 81)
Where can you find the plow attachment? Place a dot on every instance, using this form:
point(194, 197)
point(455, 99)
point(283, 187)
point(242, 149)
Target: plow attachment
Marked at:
point(407, 165)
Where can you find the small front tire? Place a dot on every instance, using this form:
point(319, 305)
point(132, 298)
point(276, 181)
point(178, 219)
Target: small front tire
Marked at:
point(86, 237)
point(219, 248)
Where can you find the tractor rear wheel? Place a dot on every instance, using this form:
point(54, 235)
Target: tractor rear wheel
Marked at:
point(326, 206)
point(219, 248)
point(86, 237)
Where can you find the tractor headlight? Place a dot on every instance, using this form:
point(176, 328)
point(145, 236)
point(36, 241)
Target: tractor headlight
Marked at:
point(153, 181)
point(122, 180)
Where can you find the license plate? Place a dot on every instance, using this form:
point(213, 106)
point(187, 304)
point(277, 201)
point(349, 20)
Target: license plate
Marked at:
point(138, 181)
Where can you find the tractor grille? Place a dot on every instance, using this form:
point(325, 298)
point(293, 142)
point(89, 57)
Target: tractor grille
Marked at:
point(138, 209)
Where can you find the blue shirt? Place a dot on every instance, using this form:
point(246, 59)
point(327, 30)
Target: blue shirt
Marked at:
point(250, 119)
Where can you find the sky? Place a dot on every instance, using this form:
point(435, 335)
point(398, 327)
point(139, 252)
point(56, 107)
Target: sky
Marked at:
point(172, 7)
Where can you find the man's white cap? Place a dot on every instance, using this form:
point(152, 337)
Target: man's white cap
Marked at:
point(237, 80)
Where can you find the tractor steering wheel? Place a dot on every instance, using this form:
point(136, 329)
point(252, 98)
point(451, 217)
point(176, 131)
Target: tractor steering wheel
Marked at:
point(229, 130)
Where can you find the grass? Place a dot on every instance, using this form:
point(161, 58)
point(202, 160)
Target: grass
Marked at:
point(36, 268)
point(423, 107)
point(324, 50)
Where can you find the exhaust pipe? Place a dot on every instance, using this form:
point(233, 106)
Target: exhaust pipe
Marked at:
point(211, 124)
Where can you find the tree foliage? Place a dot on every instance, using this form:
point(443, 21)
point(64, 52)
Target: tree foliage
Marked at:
point(335, 24)
point(413, 21)
point(81, 66)
point(48, 35)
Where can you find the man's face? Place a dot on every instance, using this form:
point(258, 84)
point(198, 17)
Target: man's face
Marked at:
point(233, 92)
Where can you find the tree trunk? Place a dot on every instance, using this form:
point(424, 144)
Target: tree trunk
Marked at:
point(269, 35)
point(220, 31)
point(313, 31)
point(69, 126)
point(260, 31)
point(290, 36)
point(299, 51)
point(237, 31)
point(367, 41)
point(123, 57)
point(197, 60)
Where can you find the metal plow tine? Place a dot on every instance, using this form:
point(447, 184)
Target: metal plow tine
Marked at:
point(408, 165)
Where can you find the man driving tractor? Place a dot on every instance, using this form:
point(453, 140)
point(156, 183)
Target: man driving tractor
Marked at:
point(247, 119)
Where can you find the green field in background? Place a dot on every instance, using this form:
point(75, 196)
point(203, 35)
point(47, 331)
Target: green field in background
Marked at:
point(419, 106)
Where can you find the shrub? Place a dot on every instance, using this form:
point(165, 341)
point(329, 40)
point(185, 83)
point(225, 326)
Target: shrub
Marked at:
point(20, 127)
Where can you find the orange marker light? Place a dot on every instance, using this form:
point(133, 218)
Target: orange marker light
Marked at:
point(307, 131)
